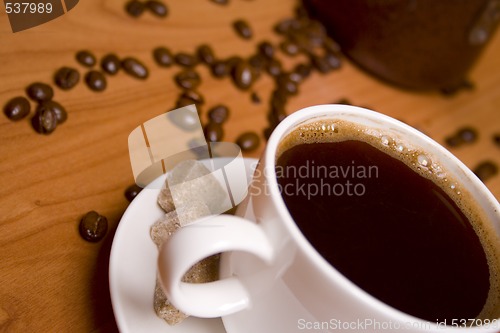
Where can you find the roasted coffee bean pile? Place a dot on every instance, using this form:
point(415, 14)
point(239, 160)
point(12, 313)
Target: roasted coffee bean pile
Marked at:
point(136, 8)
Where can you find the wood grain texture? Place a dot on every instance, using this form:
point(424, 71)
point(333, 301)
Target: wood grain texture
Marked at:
point(52, 280)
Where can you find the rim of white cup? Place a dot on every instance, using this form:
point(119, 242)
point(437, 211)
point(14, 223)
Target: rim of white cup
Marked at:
point(322, 111)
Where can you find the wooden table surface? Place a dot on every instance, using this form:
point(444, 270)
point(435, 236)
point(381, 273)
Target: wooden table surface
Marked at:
point(51, 279)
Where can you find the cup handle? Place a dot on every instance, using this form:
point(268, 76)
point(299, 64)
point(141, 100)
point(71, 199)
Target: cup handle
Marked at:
point(196, 241)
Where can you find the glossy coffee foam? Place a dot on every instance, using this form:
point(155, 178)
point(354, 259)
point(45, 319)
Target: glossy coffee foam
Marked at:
point(427, 166)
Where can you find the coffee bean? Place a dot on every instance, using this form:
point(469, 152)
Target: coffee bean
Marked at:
point(193, 95)
point(163, 56)
point(248, 141)
point(188, 79)
point(242, 75)
point(255, 98)
point(258, 62)
point(95, 80)
point(134, 8)
point(290, 48)
point(322, 64)
point(135, 68)
point(44, 121)
point(220, 2)
point(286, 85)
point(333, 60)
point(213, 132)
point(86, 58)
point(220, 69)
point(182, 102)
point(17, 108)
point(467, 134)
point(496, 139)
point(40, 92)
point(218, 114)
point(93, 226)
point(274, 67)
point(132, 191)
point(66, 78)
point(157, 8)
point(110, 64)
point(206, 54)
point(59, 110)
point(346, 101)
point(287, 26)
point(243, 29)
point(453, 141)
point(303, 70)
point(486, 170)
point(266, 49)
point(186, 59)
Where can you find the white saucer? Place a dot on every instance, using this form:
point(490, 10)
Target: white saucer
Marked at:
point(132, 269)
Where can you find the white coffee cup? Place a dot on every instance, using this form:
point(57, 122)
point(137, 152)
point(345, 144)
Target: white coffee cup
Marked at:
point(272, 278)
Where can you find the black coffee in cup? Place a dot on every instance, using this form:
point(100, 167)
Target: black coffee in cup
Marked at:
point(390, 219)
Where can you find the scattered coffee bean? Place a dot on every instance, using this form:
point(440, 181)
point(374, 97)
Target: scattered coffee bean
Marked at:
point(93, 226)
point(464, 135)
point(290, 48)
point(303, 70)
point(332, 60)
point(95, 80)
point(40, 92)
point(322, 64)
point(213, 132)
point(218, 114)
point(286, 26)
point(59, 110)
point(182, 102)
point(242, 75)
point(255, 98)
point(258, 62)
point(453, 141)
point(44, 121)
point(134, 8)
point(110, 64)
point(274, 67)
point(163, 56)
point(286, 85)
point(486, 170)
point(193, 95)
point(248, 141)
point(86, 58)
point(220, 2)
point(135, 68)
point(17, 108)
point(266, 49)
point(186, 59)
point(243, 29)
point(453, 90)
point(66, 78)
point(132, 191)
point(206, 54)
point(157, 8)
point(467, 134)
point(496, 139)
point(220, 69)
point(188, 79)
